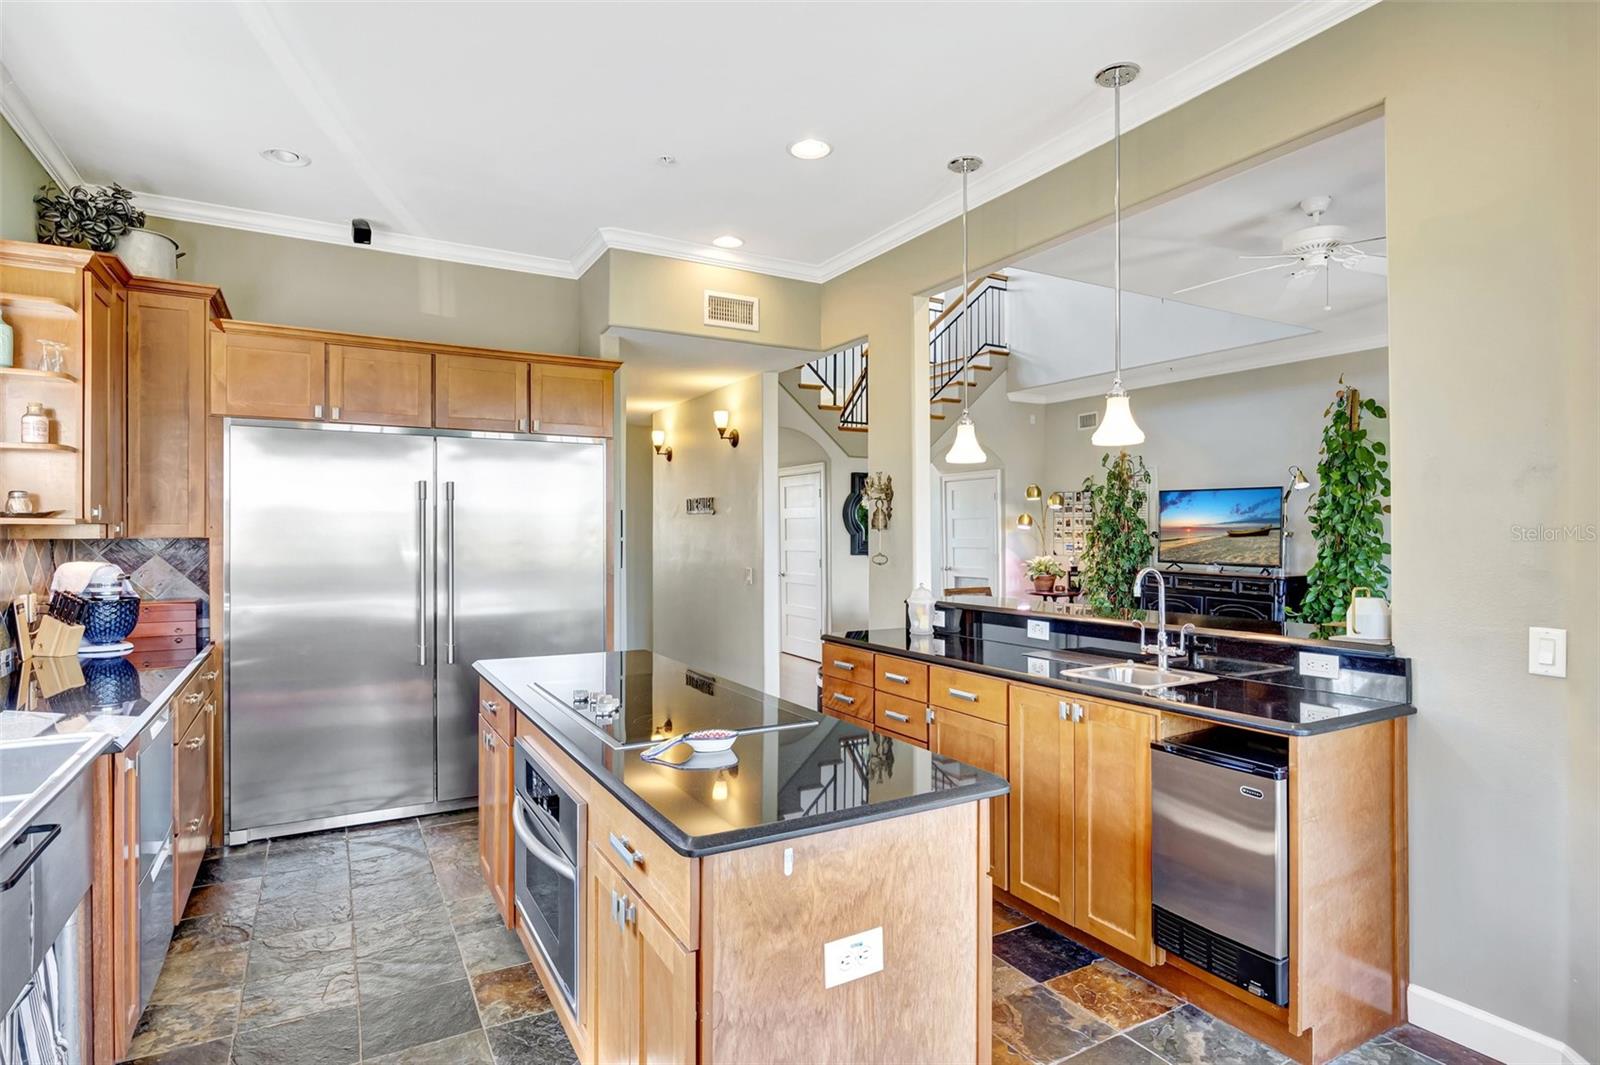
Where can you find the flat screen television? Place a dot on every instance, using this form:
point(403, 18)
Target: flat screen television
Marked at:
point(1222, 527)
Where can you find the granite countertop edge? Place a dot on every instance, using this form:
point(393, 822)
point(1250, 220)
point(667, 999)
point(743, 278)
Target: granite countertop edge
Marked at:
point(985, 786)
point(1243, 718)
point(129, 728)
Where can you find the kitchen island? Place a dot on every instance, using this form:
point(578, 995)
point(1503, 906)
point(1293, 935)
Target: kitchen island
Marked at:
point(816, 893)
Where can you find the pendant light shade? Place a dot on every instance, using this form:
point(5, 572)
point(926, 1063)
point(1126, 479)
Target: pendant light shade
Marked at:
point(1117, 428)
point(965, 451)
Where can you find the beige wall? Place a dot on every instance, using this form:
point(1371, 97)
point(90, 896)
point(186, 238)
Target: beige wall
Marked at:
point(20, 177)
point(706, 613)
point(329, 286)
point(594, 304)
point(638, 507)
point(652, 292)
point(802, 440)
point(1491, 221)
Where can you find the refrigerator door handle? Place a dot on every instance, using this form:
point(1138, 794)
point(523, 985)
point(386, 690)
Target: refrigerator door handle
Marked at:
point(422, 573)
point(450, 572)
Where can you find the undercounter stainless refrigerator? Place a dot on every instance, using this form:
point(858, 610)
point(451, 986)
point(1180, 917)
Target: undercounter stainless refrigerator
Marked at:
point(366, 569)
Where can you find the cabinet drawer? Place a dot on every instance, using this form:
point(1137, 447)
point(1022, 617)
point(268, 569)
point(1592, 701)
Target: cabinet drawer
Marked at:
point(191, 806)
point(495, 708)
point(906, 718)
point(970, 693)
point(667, 881)
point(147, 629)
point(901, 676)
point(847, 663)
point(843, 699)
point(194, 695)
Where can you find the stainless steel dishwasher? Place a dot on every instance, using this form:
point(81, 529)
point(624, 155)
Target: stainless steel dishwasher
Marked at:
point(1220, 855)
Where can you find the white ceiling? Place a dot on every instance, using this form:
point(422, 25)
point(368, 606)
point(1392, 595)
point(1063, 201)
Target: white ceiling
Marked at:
point(660, 369)
point(1200, 235)
point(526, 135)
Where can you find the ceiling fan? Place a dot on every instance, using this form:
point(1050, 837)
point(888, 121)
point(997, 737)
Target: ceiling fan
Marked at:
point(1313, 250)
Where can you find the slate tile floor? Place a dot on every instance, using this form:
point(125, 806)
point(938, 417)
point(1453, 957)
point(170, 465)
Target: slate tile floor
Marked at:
point(374, 944)
point(1057, 1000)
point(381, 944)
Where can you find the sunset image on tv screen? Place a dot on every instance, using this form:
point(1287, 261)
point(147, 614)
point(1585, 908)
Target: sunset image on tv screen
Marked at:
point(1222, 526)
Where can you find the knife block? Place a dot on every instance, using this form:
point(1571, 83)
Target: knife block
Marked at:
point(51, 638)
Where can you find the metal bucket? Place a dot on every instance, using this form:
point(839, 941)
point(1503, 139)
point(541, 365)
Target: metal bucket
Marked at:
point(149, 254)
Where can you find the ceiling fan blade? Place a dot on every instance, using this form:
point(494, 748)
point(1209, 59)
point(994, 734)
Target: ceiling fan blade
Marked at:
point(1301, 280)
point(1369, 264)
point(1366, 240)
point(1269, 256)
point(1230, 277)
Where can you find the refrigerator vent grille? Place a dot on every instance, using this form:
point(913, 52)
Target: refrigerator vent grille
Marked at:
point(732, 311)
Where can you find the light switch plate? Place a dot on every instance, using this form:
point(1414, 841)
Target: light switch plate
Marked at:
point(1038, 630)
point(852, 957)
point(1326, 666)
point(1547, 652)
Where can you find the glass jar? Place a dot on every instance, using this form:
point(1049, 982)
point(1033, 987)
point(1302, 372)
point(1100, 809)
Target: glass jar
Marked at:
point(919, 611)
point(35, 425)
point(18, 502)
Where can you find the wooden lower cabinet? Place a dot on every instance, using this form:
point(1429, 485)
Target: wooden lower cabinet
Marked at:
point(123, 934)
point(1042, 802)
point(983, 745)
point(377, 386)
point(1111, 784)
point(191, 800)
point(642, 978)
point(495, 789)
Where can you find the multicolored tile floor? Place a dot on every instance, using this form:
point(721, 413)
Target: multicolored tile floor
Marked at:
point(374, 944)
point(1057, 1000)
point(381, 944)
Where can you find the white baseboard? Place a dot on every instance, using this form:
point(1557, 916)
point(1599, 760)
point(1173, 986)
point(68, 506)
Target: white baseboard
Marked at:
point(1484, 1032)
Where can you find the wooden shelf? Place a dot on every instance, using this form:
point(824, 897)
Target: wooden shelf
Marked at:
point(39, 304)
point(37, 375)
point(23, 519)
point(10, 446)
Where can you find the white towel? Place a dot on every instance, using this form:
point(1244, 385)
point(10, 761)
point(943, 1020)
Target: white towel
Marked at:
point(100, 578)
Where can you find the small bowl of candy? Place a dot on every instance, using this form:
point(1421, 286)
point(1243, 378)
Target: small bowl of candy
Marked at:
point(710, 740)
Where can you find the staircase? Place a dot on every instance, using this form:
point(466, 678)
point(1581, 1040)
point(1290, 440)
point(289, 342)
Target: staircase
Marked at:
point(841, 783)
point(839, 378)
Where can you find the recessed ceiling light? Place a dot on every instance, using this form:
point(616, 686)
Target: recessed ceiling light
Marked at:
point(728, 240)
point(810, 149)
point(667, 160)
point(284, 157)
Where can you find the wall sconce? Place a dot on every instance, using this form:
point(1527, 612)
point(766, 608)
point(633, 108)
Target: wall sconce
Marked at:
point(720, 418)
point(658, 440)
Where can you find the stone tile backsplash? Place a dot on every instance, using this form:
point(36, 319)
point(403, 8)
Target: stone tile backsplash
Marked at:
point(159, 569)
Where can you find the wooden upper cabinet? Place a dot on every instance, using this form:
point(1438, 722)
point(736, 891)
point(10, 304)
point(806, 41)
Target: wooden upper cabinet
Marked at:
point(167, 337)
point(269, 377)
point(981, 744)
point(478, 392)
point(1042, 799)
point(571, 400)
point(104, 398)
point(1111, 780)
point(378, 386)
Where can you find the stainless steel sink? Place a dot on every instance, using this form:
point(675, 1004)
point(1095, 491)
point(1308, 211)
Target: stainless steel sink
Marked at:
point(1137, 676)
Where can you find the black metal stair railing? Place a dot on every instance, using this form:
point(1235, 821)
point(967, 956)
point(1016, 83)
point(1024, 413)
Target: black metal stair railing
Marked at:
point(946, 363)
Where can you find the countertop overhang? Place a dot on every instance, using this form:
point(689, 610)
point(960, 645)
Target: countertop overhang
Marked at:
point(1246, 702)
point(771, 793)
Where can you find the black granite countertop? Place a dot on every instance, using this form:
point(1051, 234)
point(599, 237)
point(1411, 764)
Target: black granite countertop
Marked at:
point(1258, 701)
point(65, 696)
point(1289, 632)
point(793, 771)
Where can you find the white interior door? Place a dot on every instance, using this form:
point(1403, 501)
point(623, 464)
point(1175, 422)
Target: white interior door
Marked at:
point(970, 529)
point(800, 555)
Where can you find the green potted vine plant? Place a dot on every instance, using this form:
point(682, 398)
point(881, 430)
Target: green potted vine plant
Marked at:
point(1346, 514)
point(1044, 571)
point(1117, 542)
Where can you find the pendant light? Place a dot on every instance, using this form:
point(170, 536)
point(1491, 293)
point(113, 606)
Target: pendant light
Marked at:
point(1117, 428)
point(966, 450)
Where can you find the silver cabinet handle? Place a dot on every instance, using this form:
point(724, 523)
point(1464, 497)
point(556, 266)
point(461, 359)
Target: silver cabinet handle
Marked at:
point(897, 716)
point(450, 572)
point(898, 678)
point(536, 425)
point(336, 412)
point(957, 693)
point(489, 705)
point(1061, 708)
point(627, 853)
point(848, 700)
point(522, 425)
point(210, 675)
point(193, 742)
point(193, 697)
point(930, 715)
point(95, 511)
point(316, 411)
point(1077, 713)
point(848, 667)
point(193, 825)
point(488, 741)
point(422, 573)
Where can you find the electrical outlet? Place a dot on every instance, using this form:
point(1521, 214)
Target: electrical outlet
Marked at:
point(749, 575)
point(1038, 630)
point(1038, 667)
point(852, 957)
point(938, 619)
point(1319, 665)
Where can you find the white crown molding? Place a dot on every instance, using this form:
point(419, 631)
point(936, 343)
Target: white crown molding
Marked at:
point(1299, 23)
point(14, 106)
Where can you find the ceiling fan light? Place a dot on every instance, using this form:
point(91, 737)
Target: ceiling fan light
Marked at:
point(1117, 427)
point(966, 450)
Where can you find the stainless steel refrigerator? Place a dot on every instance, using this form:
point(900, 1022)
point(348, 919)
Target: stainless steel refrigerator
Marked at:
point(366, 569)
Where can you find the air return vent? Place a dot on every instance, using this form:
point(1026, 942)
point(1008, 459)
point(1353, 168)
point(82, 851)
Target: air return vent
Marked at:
point(1088, 420)
point(732, 311)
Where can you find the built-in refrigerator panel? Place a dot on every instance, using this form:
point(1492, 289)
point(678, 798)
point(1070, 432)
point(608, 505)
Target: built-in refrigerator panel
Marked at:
point(329, 622)
point(521, 570)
